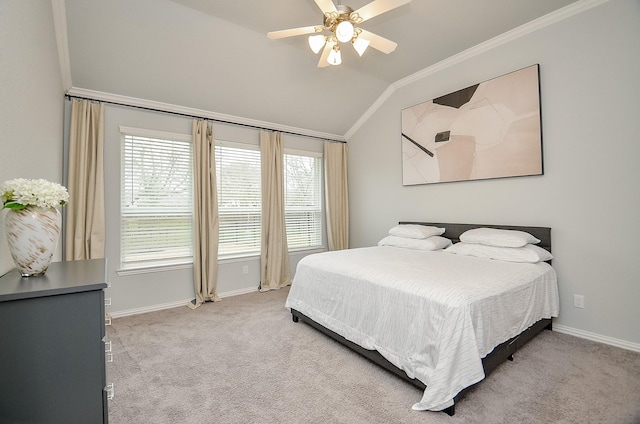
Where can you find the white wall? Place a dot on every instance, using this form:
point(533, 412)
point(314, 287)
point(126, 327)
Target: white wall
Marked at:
point(147, 291)
point(31, 105)
point(589, 66)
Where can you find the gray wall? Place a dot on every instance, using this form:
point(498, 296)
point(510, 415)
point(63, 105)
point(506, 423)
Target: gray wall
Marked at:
point(589, 66)
point(31, 105)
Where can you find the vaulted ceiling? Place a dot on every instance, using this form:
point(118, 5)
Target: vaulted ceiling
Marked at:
point(214, 55)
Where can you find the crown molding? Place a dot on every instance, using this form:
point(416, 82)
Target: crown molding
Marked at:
point(386, 94)
point(514, 34)
point(199, 113)
point(60, 28)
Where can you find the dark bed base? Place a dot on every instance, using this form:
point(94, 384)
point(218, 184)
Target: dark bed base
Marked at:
point(497, 356)
point(490, 362)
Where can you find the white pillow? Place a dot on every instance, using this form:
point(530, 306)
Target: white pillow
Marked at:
point(496, 237)
point(528, 253)
point(415, 231)
point(431, 243)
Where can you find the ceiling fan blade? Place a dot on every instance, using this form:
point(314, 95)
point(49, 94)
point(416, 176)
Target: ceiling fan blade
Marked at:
point(293, 32)
point(378, 42)
point(325, 54)
point(326, 6)
point(378, 7)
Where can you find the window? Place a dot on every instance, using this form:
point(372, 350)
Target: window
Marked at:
point(239, 198)
point(157, 199)
point(303, 199)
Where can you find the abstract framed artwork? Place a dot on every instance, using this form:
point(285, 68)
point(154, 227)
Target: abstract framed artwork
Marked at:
point(489, 130)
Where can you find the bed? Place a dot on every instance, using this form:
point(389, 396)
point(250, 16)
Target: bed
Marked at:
point(470, 313)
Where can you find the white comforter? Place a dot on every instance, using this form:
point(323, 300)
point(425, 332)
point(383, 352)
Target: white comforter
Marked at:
point(432, 314)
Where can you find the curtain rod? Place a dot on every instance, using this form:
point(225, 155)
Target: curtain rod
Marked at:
point(222, 121)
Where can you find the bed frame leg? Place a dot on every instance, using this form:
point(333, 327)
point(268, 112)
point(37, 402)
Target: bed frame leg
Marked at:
point(295, 318)
point(450, 411)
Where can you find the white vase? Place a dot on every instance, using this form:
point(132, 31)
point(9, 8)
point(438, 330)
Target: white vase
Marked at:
point(32, 235)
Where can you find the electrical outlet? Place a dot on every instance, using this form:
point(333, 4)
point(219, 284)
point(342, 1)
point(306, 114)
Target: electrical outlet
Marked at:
point(245, 269)
point(578, 301)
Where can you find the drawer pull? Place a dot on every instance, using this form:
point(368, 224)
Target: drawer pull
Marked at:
point(107, 301)
point(108, 351)
point(110, 391)
point(107, 319)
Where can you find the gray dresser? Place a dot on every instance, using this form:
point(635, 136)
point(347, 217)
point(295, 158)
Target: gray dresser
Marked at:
point(52, 345)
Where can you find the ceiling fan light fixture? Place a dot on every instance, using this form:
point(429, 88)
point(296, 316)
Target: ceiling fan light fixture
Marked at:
point(316, 42)
point(335, 57)
point(360, 45)
point(344, 31)
point(338, 26)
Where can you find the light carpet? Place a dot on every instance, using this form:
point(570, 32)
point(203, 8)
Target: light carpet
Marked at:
point(243, 360)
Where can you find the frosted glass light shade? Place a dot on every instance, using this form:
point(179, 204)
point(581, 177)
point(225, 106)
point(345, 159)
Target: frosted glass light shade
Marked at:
point(316, 42)
point(360, 45)
point(344, 31)
point(335, 57)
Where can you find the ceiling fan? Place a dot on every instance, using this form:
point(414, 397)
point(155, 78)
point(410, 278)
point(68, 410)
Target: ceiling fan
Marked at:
point(340, 26)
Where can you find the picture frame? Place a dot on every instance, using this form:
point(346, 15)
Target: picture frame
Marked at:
point(488, 130)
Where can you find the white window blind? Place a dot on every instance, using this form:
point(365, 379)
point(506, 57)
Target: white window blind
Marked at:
point(239, 198)
point(157, 199)
point(303, 200)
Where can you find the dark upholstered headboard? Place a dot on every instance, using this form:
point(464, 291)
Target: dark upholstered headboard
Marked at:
point(453, 231)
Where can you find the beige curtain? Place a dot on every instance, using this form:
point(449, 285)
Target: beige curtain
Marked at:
point(336, 195)
point(205, 218)
point(85, 220)
point(274, 255)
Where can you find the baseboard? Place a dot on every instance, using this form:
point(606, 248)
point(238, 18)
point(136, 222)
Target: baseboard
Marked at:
point(597, 337)
point(238, 292)
point(176, 304)
point(147, 309)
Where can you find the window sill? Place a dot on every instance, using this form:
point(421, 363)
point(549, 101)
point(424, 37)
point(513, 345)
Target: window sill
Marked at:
point(189, 265)
point(153, 268)
point(307, 251)
point(239, 258)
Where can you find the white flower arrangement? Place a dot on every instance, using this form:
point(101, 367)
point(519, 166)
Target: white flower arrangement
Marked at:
point(21, 192)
